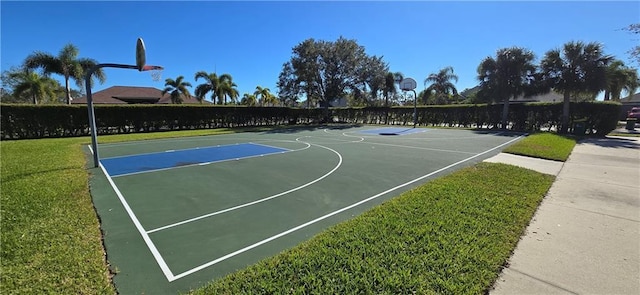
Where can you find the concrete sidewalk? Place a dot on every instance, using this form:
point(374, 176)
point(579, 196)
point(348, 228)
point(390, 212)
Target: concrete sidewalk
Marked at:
point(585, 236)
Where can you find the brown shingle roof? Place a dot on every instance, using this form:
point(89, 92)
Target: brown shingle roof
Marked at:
point(130, 94)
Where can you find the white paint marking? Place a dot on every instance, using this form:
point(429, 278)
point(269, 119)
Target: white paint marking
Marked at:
point(257, 201)
point(232, 254)
point(152, 247)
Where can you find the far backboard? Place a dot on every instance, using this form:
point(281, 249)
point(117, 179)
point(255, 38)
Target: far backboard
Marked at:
point(408, 84)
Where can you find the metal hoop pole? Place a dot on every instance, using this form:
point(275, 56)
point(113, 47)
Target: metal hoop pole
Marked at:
point(415, 109)
point(92, 117)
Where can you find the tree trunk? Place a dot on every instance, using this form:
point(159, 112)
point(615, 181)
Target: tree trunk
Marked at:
point(67, 89)
point(606, 95)
point(35, 99)
point(565, 112)
point(505, 113)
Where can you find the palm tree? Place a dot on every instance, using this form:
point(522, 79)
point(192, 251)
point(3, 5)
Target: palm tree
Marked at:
point(389, 87)
point(441, 85)
point(576, 68)
point(248, 99)
point(227, 88)
point(177, 88)
point(220, 87)
point(211, 84)
point(30, 83)
point(263, 95)
point(507, 76)
point(620, 78)
point(66, 64)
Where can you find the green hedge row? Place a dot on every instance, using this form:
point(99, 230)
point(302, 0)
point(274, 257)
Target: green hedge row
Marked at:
point(38, 121)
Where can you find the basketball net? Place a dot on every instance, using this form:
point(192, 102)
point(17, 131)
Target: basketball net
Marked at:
point(156, 75)
point(156, 72)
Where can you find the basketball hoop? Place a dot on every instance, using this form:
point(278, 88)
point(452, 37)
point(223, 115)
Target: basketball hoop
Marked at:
point(156, 72)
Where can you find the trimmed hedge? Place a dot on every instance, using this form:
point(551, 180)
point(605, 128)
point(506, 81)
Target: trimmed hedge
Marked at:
point(38, 121)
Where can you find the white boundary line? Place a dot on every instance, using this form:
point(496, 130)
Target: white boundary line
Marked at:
point(152, 247)
point(225, 257)
point(256, 201)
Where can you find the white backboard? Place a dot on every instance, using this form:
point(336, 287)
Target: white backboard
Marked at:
point(408, 84)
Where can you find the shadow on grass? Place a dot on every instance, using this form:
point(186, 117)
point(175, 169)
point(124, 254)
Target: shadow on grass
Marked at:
point(9, 178)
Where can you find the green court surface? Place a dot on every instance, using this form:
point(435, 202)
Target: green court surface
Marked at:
point(224, 202)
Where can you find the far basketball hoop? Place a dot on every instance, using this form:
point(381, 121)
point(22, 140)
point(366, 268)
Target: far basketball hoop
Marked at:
point(408, 84)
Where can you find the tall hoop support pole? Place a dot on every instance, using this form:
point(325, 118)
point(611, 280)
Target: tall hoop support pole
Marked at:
point(415, 108)
point(92, 117)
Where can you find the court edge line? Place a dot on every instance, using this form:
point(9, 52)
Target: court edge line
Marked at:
point(152, 247)
point(225, 257)
point(256, 201)
point(270, 146)
point(212, 162)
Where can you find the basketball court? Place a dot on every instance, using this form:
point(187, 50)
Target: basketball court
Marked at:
point(178, 213)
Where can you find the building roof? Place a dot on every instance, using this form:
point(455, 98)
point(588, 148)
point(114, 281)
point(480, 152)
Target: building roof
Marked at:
point(632, 98)
point(131, 95)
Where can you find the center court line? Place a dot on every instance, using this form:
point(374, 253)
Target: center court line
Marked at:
point(232, 254)
point(256, 201)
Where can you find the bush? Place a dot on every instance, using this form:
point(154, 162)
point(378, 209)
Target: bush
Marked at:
point(38, 121)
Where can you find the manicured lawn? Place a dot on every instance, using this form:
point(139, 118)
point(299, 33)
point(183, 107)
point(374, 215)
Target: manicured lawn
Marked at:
point(51, 240)
point(544, 145)
point(450, 236)
point(50, 235)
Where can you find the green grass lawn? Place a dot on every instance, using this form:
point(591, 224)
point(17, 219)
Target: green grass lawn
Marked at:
point(451, 235)
point(50, 236)
point(544, 145)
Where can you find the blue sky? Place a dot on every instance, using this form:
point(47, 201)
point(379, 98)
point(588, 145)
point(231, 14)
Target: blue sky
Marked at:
point(251, 40)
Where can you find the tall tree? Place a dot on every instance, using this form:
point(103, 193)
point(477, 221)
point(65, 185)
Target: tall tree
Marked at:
point(220, 87)
point(371, 73)
point(66, 64)
point(33, 85)
point(635, 51)
point(620, 78)
point(441, 84)
point(210, 84)
point(177, 88)
point(576, 68)
point(510, 74)
point(324, 70)
point(389, 87)
point(227, 88)
point(289, 88)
